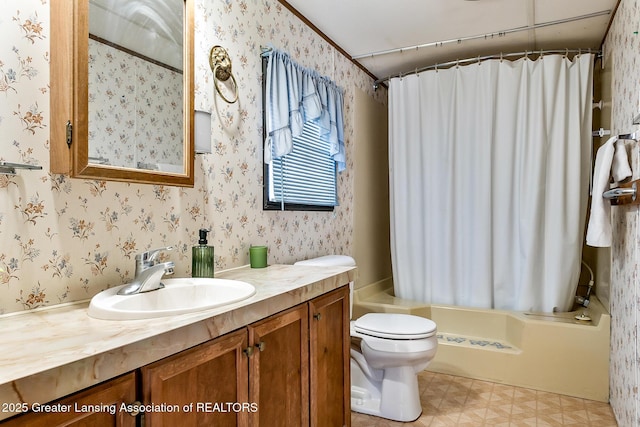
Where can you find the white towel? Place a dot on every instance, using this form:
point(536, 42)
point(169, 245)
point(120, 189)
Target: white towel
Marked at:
point(620, 168)
point(599, 227)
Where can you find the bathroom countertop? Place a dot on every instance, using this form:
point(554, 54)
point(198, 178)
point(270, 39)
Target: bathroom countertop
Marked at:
point(46, 354)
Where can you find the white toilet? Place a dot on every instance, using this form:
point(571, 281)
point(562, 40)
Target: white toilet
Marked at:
point(388, 351)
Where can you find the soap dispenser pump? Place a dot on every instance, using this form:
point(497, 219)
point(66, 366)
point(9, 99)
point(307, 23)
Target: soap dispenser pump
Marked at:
point(202, 257)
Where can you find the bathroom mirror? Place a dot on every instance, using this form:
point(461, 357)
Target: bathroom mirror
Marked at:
point(122, 90)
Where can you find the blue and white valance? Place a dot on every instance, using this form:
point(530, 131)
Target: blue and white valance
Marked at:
point(296, 95)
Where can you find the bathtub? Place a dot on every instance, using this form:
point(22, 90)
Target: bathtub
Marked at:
point(551, 352)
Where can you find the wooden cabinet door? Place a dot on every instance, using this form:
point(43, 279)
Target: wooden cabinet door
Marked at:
point(329, 358)
point(97, 406)
point(278, 369)
point(203, 382)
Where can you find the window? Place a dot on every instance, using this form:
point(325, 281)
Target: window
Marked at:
point(303, 175)
point(306, 176)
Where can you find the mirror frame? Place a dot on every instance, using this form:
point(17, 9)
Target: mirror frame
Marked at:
point(70, 99)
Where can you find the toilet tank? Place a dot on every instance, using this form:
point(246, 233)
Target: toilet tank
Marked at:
point(329, 261)
point(333, 261)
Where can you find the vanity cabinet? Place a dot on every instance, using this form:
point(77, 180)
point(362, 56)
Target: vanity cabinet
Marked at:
point(97, 406)
point(255, 376)
point(278, 369)
point(203, 379)
point(329, 359)
point(290, 369)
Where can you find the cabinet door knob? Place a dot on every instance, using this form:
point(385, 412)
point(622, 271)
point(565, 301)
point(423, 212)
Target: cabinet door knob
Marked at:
point(261, 345)
point(317, 316)
point(248, 351)
point(135, 408)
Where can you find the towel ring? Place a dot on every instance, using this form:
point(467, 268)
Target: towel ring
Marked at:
point(220, 64)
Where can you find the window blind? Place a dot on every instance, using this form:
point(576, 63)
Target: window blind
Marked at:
point(307, 175)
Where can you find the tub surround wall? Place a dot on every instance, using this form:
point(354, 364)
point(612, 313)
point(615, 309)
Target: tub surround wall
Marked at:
point(371, 241)
point(622, 49)
point(54, 352)
point(64, 240)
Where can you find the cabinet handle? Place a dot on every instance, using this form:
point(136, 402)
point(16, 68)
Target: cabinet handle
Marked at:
point(261, 345)
point(317, 316)
point(248, 351)
point(135, 408)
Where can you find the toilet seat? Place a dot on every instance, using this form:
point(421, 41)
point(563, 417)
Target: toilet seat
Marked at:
point(395, 326)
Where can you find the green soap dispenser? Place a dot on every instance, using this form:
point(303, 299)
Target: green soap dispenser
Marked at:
point(202, 257)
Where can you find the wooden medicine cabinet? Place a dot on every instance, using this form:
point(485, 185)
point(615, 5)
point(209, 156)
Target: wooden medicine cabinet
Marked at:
point(122, 91)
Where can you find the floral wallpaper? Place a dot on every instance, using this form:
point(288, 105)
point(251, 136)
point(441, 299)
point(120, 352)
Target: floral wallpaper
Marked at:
point(64, 240)
point(622, 45)
point(119, 84)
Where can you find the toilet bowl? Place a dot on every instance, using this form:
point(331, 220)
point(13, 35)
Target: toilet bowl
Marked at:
point(388, 350)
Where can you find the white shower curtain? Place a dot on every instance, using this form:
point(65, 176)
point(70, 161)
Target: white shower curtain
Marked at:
point(489, 174)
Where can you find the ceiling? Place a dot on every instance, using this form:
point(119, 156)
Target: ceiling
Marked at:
point(449, 30)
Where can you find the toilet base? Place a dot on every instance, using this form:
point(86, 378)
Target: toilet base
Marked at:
point(363, 402)
point(398, 391)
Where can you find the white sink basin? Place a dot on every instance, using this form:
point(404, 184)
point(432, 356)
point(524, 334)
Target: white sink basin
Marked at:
point(179, 296)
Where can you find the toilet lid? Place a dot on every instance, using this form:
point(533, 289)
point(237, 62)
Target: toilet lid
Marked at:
point(395, 326)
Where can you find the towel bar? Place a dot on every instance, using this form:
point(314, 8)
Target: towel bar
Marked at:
point(633, 136)
point(7, 168)
point(620, 195)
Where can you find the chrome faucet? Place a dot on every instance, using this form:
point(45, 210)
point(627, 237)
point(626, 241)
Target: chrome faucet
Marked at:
point(148, 273)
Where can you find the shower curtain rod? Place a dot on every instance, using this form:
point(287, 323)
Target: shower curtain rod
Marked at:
point(483, 36)
point(484, 58)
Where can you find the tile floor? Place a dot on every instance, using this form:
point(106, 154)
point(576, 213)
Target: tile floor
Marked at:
point(456, 401)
